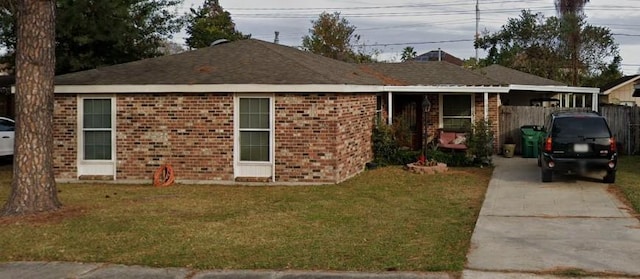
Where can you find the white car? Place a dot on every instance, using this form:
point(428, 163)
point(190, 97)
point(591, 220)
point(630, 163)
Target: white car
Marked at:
point(7, 136)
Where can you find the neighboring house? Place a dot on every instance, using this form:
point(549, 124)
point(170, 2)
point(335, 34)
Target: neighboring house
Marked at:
point(621, 91)
point(439, 55)
point(254, 111)
point(531, 90)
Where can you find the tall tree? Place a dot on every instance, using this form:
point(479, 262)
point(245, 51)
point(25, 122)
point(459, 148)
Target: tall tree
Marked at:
point(91, 34)
point(334, 37)
point(210, 23)
point(33, 188)
point(408, 53)
point(534, 44)
point(572, 17)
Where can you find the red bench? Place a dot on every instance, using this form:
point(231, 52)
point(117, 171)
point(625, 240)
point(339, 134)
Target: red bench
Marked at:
point(452, 140)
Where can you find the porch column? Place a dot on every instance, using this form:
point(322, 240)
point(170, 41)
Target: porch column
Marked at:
point(584, 100)
point(390, 108)
point(594, 102)
point(574, 100)
point(486, 106)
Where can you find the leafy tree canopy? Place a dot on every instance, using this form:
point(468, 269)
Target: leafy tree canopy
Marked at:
point(408, 53)
point(334, 37)
point(91, 34)
point(534, 44)
point(209, 23)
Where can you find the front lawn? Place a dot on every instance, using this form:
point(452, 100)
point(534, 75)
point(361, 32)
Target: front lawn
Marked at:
point(628, 179)
point(384, 219)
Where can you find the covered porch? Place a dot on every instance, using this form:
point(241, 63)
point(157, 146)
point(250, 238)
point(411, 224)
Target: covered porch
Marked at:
point(425, 111)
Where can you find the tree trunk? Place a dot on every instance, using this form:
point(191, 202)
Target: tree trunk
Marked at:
point(33, 186)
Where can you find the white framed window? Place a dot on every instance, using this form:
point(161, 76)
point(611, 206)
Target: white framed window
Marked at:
point(456, 111)
point(254, 141)
point(96, 135)
point(97, 129)
point(255, 129)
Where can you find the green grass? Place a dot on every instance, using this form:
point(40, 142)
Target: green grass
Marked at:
point(385, 219)
point(628, 179)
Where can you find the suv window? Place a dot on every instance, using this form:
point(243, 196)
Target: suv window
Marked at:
point(7, 126)
point(585, 127)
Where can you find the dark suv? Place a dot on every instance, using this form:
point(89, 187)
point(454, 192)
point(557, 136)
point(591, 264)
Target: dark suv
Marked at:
point(578, 142)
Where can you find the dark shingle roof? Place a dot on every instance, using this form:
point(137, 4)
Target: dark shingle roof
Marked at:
point(617, 82)
point(511, 76)
point(433, 73)
point(239, 62)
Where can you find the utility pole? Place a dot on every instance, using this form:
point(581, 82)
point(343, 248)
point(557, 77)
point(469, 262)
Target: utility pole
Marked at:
point(477, 27)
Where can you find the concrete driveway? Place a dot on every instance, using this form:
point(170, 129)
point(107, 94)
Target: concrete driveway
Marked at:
point(571, 223)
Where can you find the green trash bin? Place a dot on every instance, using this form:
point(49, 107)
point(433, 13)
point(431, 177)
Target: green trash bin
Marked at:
point(531, 136)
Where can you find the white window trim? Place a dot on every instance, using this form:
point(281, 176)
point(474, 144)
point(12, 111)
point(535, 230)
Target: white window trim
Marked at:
point(236, 139)
point(81, 129)
point(441, 109)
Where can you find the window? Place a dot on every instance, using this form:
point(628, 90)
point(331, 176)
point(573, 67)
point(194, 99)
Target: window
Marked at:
point(456, 112)
point(378, 110)
point(7, 126)
point(255, 129)
point(97, 129)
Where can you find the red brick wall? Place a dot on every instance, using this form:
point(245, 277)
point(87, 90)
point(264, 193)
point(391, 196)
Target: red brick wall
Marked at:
point(192, 132)
point(322, 137)
point(305, 137)
point(355, 119)
point(65, 136)
point(319, 137)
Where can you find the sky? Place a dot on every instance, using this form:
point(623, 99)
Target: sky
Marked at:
point(388, 26)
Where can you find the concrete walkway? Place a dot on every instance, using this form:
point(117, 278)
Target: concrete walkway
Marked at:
point(570, 224)
point(58, 270)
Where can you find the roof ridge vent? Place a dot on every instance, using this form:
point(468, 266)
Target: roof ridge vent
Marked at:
point(219, 42)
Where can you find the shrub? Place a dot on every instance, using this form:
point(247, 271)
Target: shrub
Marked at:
point(480, 142)
point(385, 147)
point(452, 159)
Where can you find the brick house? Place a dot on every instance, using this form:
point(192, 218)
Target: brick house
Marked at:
point(252, 111)
point(246, 110)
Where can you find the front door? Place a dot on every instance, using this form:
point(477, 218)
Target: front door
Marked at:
point(407, 120)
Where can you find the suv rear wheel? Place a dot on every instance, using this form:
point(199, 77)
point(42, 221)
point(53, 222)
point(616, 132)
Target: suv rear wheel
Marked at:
point(610, 177)
point(546, 175)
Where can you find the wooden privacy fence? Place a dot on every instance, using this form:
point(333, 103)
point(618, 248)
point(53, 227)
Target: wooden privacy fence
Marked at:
point(624, 123)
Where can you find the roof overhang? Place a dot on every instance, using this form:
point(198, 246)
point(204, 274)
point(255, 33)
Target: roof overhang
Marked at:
point(556, 89)
point(308, 88)
point(214, 88)
point(446, 89)
point(607, 92)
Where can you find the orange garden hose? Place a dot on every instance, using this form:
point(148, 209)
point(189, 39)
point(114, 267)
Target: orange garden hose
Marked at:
point(164, 176)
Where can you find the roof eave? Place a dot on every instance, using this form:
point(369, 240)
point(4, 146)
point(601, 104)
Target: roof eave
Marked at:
point(553, 88)
point(214, 88)
point(608, 91)
point(446, 89)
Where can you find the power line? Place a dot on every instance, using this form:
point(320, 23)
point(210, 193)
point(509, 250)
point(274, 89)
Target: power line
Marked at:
point(627, 35)
point(421, 43)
